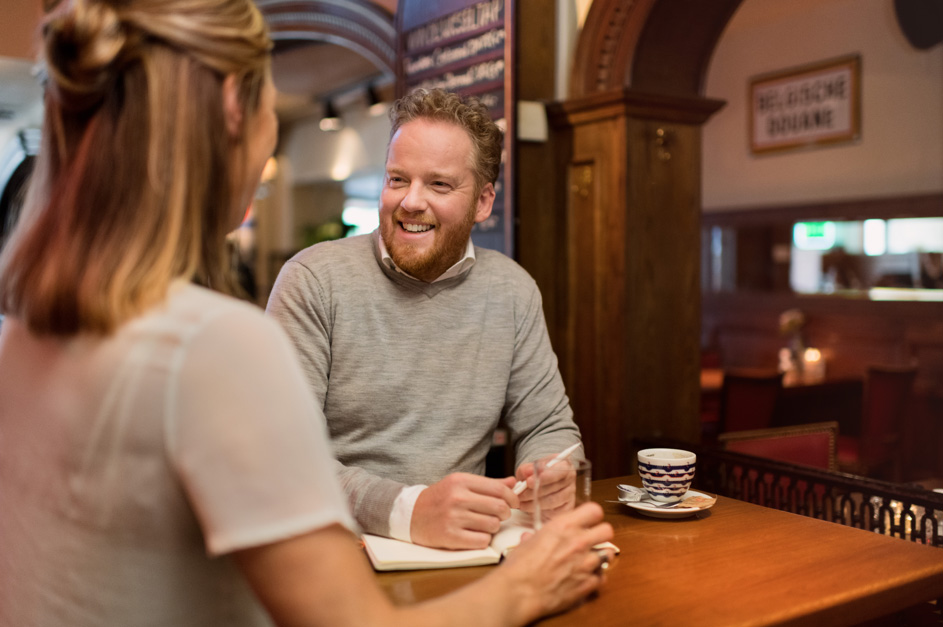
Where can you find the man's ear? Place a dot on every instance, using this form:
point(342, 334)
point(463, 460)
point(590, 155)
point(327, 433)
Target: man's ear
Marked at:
point(232, 108)
point(484, 203)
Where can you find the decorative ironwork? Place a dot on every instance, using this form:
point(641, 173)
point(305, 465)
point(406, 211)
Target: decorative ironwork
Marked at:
point(899, 510)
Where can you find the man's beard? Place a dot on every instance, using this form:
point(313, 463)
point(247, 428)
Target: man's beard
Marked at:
point(448, 247)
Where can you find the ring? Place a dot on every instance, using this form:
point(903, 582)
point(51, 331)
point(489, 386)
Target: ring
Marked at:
point(603, 556)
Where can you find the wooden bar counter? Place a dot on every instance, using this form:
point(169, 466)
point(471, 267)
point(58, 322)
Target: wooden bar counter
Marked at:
point(734, 564)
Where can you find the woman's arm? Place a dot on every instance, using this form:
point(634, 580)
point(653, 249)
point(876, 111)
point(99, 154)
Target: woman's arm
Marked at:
point(323, 578)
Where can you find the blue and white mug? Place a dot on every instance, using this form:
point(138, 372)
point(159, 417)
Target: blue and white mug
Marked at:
point(666, 473)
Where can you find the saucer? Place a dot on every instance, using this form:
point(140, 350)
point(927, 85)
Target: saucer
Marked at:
point(649, 509)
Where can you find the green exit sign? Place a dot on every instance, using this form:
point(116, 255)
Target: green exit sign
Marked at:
point(813, 235)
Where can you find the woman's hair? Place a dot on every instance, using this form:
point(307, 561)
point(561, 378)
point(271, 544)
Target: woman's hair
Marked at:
point(134, 184)
point(468, 112)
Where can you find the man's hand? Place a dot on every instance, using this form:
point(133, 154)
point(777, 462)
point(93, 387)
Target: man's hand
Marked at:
point(462, 511)
point(556, 492)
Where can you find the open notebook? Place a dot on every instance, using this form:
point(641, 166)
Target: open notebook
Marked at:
point(389, 554)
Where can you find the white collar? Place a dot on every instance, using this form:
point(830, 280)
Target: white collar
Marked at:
point(460, 266)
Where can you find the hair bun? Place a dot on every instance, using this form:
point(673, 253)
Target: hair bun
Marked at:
point(82, 44)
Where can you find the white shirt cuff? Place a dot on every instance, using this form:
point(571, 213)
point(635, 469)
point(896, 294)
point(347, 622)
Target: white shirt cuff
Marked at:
point(401, 516)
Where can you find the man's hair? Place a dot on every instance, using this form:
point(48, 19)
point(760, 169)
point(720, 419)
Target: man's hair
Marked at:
point(134, 184)
point(467, 112)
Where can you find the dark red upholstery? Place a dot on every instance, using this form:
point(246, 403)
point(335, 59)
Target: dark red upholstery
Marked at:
point(876, 451)
point(748, 401)
point(809, 445)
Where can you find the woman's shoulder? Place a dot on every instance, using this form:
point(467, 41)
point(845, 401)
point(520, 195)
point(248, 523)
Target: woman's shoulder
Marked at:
point(203, 322)
point(200, 302)
point(191, 310)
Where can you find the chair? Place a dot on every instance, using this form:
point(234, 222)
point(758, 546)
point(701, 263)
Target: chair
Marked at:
point(748, 401)
point(813, 444)
point(876, 451)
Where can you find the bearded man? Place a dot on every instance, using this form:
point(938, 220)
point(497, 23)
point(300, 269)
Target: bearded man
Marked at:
point(417, 343)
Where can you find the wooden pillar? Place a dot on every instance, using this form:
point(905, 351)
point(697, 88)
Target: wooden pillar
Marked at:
point(630, 350)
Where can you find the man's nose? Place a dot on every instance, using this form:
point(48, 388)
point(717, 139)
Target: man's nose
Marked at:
point(414, 200)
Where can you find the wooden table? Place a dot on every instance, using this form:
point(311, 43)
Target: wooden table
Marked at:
point(737, 564)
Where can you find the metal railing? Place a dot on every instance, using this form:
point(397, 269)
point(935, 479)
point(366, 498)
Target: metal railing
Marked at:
point(898, 510)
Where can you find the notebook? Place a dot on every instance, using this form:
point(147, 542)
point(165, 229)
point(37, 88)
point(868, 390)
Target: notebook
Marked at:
point(388, 554)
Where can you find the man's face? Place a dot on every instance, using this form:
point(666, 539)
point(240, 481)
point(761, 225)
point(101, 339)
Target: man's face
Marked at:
point(429, 202)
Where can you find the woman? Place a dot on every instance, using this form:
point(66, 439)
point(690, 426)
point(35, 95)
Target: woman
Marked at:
point(161, 461)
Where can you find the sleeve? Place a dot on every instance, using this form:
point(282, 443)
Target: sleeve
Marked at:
point(537, 411)
point(249, 444)
point(401, 518)
point(299, 304)
point(296, 303)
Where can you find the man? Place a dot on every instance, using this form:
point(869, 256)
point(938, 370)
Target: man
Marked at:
point(417, 343)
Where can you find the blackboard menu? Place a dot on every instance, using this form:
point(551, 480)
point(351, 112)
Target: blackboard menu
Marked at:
point(465, 47)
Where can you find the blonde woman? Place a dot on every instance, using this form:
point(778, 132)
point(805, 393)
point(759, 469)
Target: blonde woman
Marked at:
point(161, 459)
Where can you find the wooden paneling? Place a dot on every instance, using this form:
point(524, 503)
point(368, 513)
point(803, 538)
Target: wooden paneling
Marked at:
point(629, 354)
point(661, 247)
point(595, 349)
point(535, 38)
point(540, 185)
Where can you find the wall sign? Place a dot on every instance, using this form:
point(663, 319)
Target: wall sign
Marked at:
point(807, 106)
point(465, 46)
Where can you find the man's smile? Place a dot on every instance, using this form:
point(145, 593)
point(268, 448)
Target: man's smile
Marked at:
point(416, 228)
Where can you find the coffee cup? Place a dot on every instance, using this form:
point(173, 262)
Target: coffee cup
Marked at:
point(666, 473)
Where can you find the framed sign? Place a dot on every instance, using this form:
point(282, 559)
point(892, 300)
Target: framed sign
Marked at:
point(806, 106)
point(465, 46)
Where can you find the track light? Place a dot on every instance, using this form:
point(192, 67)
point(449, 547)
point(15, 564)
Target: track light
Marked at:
point(375, 104)
point(331, 120)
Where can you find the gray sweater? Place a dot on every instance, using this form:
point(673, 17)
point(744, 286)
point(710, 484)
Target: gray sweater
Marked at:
point(414, 376)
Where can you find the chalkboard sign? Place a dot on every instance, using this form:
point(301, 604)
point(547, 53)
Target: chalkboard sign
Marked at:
point(465, 47)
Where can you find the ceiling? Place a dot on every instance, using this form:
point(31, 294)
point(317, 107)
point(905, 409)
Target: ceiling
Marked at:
point(306, 73)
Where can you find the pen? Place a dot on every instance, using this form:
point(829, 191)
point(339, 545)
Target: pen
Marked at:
point(520, 486)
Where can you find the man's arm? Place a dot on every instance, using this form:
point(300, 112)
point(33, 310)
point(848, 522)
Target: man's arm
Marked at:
point(299, 305)
point(537, 410)
point(369, 497)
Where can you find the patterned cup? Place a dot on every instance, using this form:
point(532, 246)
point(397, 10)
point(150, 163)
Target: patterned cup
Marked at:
point(666, 473)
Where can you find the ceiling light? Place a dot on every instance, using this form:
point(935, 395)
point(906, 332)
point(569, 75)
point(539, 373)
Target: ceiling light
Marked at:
point(331, 120)
point(375, 104)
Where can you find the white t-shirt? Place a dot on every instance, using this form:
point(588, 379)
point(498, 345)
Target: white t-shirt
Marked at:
point(130, 466)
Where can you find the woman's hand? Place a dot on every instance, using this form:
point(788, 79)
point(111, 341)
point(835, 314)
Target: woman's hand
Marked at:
point(557, 567)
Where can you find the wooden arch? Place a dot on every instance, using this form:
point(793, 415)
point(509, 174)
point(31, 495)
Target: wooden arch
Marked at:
point(652, 46)
point(358, 25)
